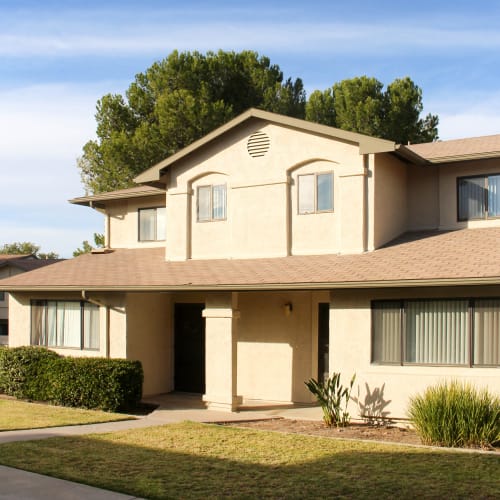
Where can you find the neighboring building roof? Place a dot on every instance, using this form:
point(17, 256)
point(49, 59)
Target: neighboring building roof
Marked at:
point(458, 149)
point(11, 256)
point(133, 192)
point(366, 143)
point(25, 262)
point(468, 256)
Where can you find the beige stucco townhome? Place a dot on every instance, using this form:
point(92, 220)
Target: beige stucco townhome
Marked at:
point(274, 250)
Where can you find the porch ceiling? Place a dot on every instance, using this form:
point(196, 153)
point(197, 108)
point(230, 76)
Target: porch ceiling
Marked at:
point(468, 256)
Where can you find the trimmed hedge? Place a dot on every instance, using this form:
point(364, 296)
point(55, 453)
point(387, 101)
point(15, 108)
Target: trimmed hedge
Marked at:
point(3, 351)
point(98, 383)
point(25, 372)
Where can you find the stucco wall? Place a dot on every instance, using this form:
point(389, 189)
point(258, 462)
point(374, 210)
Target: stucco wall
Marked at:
point(150, 340)
point(262, 218)
point(277, 352)
point(315, 233)
point(350, 351)
point(124, 222)
point(423, 197)
point(390, 199)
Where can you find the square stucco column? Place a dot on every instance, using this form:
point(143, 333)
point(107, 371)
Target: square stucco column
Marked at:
point(221, 316)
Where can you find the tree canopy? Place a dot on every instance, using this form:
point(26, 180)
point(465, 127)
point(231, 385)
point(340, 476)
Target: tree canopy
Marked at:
point(175, 102)
point(26, 248)
point(87, 247)
point(185, 96)
point(361, 105)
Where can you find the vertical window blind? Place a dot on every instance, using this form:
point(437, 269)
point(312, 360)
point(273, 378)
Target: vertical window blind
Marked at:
point(479, 197)
point(438, 332)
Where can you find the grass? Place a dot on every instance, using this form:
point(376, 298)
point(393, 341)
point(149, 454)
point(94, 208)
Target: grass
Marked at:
point(206, 461)
point(17, 415)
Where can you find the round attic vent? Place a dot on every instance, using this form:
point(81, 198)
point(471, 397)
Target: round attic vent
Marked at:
point(258, 144)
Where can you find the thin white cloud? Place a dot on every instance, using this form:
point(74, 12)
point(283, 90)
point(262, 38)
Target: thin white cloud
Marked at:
point(75, 39)
point(46, 120)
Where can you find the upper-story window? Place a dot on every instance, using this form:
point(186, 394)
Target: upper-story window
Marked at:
point(478, 197)
point(152, 226)
point(212, 202)
point(315, 193)
point(2, 296)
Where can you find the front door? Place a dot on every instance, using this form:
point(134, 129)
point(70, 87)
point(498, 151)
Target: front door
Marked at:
point(323, 340)
point(189, 358)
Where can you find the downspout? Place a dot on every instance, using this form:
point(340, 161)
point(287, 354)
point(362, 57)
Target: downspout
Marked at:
point(289, 228)
point(101, 304)
point(366, 204)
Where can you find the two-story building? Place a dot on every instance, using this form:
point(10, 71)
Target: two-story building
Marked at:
point(274, 250)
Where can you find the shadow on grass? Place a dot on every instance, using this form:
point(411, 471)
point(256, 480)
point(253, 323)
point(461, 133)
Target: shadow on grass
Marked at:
point(267, 466)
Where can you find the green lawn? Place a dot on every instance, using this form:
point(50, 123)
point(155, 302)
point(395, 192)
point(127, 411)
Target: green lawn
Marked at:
point(16, 415)
point(205, 461)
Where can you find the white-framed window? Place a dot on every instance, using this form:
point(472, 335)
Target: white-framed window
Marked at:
point(61, 323)
point(478, 197)
point(211, 202)
point(152, 224)
point(315, 193)
point(436, 332)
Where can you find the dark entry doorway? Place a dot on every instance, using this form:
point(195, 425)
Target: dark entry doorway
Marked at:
point(323, 340)
point(189, 358)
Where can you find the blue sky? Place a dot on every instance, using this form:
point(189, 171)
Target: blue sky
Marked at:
point(57, 58)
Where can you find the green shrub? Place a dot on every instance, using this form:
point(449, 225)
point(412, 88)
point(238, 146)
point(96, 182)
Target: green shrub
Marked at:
point(107, 384)
point(3, 351)
point(25, 372)
point(333, 398)
point(456, 415)
point(41, 375)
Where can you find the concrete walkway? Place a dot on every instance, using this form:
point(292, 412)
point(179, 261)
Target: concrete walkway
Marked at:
point(173, 408)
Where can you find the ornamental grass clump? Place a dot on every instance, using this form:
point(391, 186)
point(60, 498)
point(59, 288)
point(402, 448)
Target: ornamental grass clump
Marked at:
point(456, 415)
point(333, 398)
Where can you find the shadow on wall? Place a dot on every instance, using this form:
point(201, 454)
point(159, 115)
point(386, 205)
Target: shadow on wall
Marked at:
point(373, 405)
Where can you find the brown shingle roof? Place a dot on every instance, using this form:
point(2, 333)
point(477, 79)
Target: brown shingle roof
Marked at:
point(468, 256)
point(458, 149)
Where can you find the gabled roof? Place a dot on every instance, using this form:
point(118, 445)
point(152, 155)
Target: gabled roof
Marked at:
point(133, 192)
point(366, 143)
point(472, 148)
point(467, 256)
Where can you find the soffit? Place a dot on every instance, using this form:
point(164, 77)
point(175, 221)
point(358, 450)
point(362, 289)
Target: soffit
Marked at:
point(133, 192)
